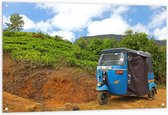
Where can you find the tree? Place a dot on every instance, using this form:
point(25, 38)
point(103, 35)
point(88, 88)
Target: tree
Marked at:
point(134, 40)
point(82, 42)
point(16, 23)
point(95, 45)
point(108, 43)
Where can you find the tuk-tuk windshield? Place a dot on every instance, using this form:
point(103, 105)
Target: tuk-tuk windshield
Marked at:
point(111, 59)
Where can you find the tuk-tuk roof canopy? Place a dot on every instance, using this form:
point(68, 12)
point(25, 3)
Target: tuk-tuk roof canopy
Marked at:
point(142, 53)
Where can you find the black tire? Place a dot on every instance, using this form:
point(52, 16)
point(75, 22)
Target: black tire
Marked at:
point(102, 98)
point(151, 95)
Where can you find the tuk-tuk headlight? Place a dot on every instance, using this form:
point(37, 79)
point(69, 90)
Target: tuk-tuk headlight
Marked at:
point(104, 67)
point(99, 83)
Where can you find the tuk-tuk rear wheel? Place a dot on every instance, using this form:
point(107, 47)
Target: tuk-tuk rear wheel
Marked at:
point(102, 97)
point(151, 95)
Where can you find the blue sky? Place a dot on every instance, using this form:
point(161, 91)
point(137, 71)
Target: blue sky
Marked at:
point(72, 21)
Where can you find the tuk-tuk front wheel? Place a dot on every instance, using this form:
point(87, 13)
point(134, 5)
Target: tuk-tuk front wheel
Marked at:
point(102, 97)
point(151, 95)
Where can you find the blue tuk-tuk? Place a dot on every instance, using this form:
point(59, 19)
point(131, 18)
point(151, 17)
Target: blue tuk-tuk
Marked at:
point(123, 71)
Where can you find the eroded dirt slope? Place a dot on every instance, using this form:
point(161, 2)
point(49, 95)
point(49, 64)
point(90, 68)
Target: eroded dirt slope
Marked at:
point(50, 87)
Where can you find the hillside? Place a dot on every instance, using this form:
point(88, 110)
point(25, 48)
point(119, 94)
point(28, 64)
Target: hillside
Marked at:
point(119, 37)
point(116, 37)
point(39, 50)
point(160, 42)
point(42, 50)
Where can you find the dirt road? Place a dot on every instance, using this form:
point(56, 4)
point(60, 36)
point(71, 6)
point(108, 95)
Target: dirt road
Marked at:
point(40, 89)
point(15, 103)
point(123, 102)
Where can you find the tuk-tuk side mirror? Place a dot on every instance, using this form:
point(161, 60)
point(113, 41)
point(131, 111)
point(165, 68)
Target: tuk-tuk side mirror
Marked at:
point(129, 57)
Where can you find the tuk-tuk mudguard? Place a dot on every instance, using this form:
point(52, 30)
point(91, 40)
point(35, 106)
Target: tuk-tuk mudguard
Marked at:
point(152, 85)
point(102, 88)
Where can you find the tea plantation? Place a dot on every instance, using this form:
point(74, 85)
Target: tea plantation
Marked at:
point(42, 50)
point(46, 51)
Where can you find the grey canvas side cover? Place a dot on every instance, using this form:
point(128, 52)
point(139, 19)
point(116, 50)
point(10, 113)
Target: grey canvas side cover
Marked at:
point(138, 69)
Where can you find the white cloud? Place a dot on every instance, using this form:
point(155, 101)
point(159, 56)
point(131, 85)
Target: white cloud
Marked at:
point(6, 19)
point(113, 25)
point(158, 19)
point(64, 34)
point(89, 9)
point(161, 33)
point(69, 18)
point(44, 26)
point(140, 28)
point(120, 10)
point(28, 23)
point(70, 21)
point(73, 17)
